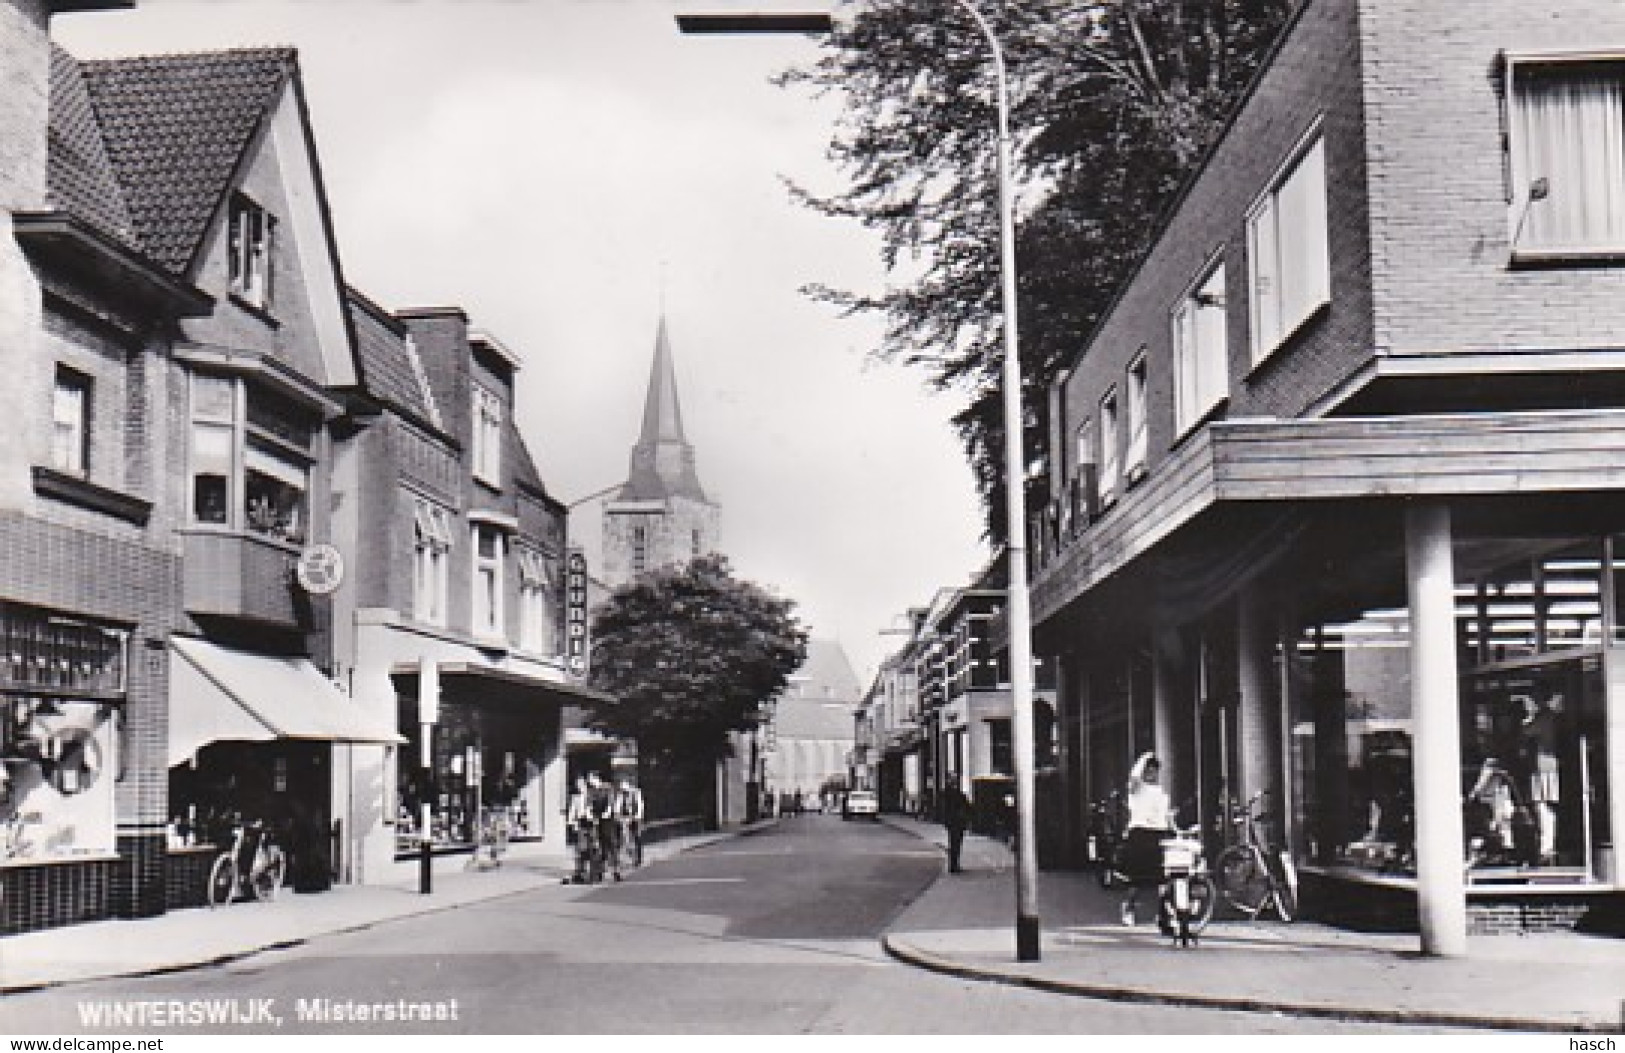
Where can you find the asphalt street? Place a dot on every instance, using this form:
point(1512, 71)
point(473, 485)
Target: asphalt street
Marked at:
point(774, 933)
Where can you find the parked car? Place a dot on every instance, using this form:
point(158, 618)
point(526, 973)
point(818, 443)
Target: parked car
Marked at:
point(861, 803)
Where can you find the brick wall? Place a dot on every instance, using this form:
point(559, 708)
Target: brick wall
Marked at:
point(1409, 100)
point(1314, 81)
point(1439, 192)
point(24, 103)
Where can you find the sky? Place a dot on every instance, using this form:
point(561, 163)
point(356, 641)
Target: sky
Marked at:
point(566, 170)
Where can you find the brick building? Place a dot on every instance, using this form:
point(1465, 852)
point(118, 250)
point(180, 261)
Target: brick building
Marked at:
point(1336, 487)
point(462, 571)
point(174, 333)
point(244, 508)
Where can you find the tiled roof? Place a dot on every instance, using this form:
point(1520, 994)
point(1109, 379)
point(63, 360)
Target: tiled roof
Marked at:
point(524, 466)
point(385, 369)
point(176, 127)
point(79, 176)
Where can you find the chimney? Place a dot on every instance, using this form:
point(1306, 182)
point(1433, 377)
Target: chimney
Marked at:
point(25, 114)
point(25, 100)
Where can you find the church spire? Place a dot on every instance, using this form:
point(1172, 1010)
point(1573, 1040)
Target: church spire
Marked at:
point(662, 415)
point(663, 460)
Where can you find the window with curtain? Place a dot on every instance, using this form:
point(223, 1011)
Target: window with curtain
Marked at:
point(1201, 352)
point(1110, 467)
point(1288, 258)
point(1567, 137)
point(538, 592)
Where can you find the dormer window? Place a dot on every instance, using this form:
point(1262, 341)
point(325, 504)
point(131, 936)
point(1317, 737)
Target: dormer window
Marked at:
point(252, 238)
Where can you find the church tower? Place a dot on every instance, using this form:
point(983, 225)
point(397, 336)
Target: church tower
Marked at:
point(661, 515)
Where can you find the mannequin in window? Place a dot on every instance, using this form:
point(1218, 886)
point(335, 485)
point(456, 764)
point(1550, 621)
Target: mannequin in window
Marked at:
point(1539, 733)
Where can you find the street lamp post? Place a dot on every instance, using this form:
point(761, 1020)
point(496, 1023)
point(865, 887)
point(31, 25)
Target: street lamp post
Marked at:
point(1015, 462)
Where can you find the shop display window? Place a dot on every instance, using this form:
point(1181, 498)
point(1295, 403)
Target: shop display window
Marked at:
point(1534, 771)
point(1534, 704)
point(57, 768)
point(1352, 742)
point(488, 763)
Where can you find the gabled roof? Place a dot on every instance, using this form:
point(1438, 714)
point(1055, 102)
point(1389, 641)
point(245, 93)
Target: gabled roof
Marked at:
point(175, 129)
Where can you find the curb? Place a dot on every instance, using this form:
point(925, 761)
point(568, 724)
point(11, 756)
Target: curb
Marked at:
point(280, 944)
point(897, 946)
point(910, 954)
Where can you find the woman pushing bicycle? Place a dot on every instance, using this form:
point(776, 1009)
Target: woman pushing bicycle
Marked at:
point(1149, 821)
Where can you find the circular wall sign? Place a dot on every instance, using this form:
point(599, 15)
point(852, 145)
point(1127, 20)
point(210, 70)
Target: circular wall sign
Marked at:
point(320, 569)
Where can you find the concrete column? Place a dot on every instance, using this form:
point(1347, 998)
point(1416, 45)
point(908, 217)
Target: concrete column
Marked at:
point(1179, 783)
point(1254, 682)
point(1441, 901)
point(553, 792)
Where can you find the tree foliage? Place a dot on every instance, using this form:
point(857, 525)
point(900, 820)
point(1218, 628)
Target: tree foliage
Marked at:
point(691, 653)
point(1113, 102)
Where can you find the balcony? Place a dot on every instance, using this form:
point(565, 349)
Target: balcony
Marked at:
point(239, 575)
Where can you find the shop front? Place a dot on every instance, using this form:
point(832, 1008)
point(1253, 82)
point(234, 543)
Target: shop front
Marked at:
point(1540, 702)
point(496, 757)
point(62, 695)
point(1289, 666)
point(252, 739)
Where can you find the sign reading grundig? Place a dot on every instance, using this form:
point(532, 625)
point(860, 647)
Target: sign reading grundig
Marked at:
point(575, 611)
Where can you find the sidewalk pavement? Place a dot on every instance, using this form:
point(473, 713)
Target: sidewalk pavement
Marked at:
point(195, 937)
point(964, 925)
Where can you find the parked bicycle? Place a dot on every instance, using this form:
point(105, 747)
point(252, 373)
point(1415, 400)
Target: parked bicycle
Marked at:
point(1186, 898)
point(491, 841)
point(1252, 875)
point(1106, 821)
point(253, 867)
point(590, 861)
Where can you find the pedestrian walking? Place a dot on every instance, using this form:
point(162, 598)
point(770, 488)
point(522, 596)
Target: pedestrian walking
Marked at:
point(629, 817)
point(956, 811)
point(579, 827)
point(606, 827)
